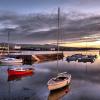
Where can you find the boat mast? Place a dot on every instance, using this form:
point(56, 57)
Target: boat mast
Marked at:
point(58, 38)
point(8, 41)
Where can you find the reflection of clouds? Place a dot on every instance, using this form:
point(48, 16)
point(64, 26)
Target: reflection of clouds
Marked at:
point(86, 74)
point(87, 91)
point(42, 70)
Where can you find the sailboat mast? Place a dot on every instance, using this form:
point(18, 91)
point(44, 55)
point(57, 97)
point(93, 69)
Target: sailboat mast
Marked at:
point(8, 41)
point(58, 37)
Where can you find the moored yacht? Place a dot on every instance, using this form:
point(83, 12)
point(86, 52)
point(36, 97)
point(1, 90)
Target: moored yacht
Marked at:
point(61, 79)
point(10, 60)
point(19, 71)
point(86, 59)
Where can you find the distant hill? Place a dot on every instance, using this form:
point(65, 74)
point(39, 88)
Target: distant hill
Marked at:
point(44, 47)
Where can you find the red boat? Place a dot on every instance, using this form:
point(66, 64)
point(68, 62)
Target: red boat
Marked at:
point(19, 71)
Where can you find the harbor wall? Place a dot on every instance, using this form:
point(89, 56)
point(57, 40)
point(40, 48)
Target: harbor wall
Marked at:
point(38, 57)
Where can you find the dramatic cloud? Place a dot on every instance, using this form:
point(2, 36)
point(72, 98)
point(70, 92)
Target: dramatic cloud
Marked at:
point(42, 28)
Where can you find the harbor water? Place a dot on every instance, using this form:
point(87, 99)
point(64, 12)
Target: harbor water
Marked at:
point(85, 83)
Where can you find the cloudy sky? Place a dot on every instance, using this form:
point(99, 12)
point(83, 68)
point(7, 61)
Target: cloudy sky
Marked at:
point(31, 6)
point(35, 21)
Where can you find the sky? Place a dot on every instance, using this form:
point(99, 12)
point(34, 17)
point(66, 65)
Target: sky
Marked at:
point(33, 20)
point(34, 6)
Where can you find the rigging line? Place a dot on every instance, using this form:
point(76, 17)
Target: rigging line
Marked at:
point(86, 56)
point(8, 41)
point(86, 47)
point(58, 39)
point(62, 32)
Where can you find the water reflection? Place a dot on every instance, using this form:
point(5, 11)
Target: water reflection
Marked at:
point(85, 81)
point(10, 64)
point(18, 77)
point(58, 94)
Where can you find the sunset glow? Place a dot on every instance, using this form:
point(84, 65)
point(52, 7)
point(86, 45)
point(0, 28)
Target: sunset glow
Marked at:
point(95, 44)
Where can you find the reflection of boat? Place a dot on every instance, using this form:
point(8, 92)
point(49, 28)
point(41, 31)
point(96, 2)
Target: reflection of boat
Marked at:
point(57, 94)
point(18, 77)
point(19, 71)
point(62, 79)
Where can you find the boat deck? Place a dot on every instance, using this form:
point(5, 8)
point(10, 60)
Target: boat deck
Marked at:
point(57, 79)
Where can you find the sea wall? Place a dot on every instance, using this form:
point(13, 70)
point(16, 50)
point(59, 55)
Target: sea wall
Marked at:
point(38, 57)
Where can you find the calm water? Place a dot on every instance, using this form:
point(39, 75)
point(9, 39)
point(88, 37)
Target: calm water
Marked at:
point(85, 83)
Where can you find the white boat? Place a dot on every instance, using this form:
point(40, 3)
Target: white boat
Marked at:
point(10, 60)
point(62, 79)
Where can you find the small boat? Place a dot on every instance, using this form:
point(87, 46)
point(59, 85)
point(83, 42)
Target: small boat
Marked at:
point(92, 56)
point(78, 55)
point(74, 57)
point(19, 71)
point(86, 59)
point(10, 60)
point(71, 58)
point(62, 79)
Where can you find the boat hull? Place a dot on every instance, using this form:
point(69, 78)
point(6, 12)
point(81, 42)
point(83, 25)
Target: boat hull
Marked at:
point(86, 60)
point(13, 72)
point(12, 61)
point(58, 85)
